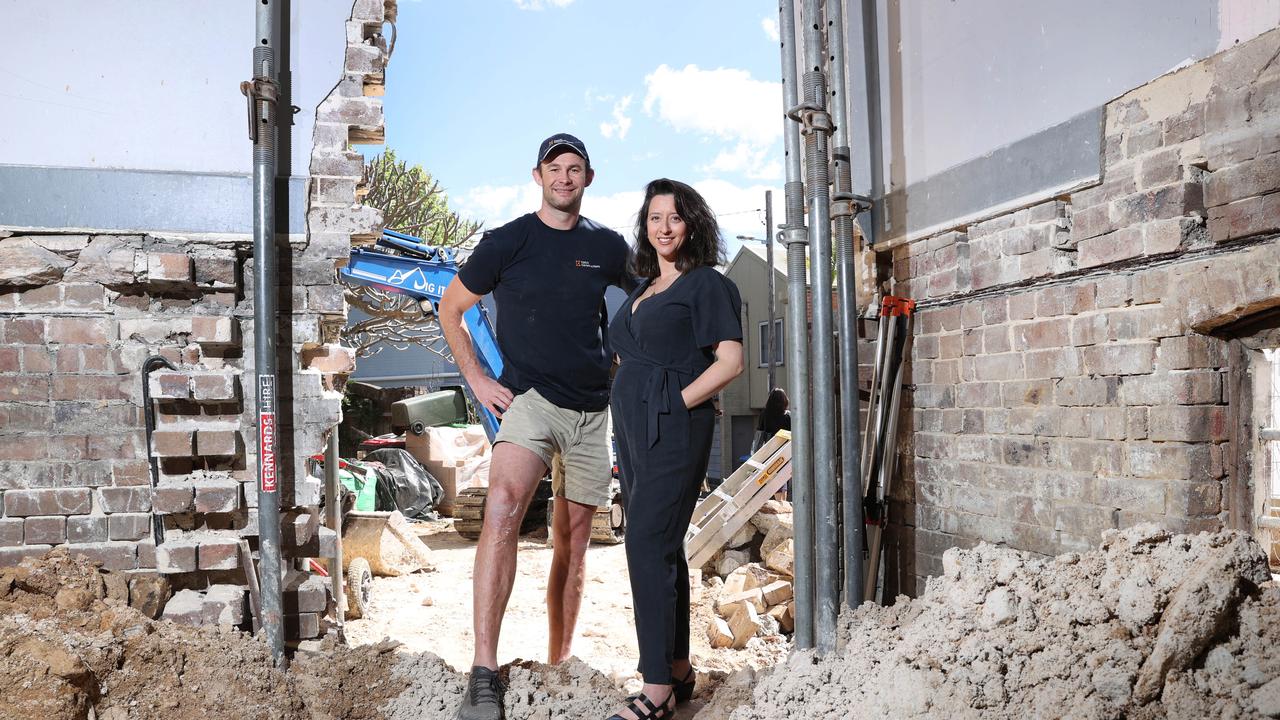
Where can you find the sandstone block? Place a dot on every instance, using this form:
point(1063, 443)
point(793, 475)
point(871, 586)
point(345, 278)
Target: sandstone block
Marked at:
point(133, 499)
point(177, 556)
point(67, 501)
point(50, 530)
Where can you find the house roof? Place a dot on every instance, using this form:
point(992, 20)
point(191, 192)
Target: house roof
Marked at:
point(755, 252)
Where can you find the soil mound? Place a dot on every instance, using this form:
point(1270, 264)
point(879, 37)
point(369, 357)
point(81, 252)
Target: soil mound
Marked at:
point(1151, 625)
point(69, 650)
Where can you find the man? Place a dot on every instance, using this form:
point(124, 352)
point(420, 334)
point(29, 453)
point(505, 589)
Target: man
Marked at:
point(548, 272)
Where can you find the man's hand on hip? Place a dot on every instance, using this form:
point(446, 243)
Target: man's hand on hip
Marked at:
point(490, 393)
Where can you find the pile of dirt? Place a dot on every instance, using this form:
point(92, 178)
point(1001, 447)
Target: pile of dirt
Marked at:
point(69, 650)
point(1151, 625)
point(535, 691)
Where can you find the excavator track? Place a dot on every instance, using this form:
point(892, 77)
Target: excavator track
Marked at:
point(608, 525)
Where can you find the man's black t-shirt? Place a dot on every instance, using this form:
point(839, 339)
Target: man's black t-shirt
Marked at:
point(549, 285)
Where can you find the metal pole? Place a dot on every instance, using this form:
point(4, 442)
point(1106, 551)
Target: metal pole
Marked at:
point(772, 344)
point(333, 520)
point(871, 69)
point(262, 92)
point(817, 127)
point(843, 211)
point(796, 238)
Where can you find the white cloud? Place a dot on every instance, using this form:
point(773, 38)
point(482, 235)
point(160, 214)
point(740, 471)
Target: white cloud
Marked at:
point(495, 205)
point(541, 4)
point(755, 162)
point(621, 123)
point(770, 27)
point(724, 103)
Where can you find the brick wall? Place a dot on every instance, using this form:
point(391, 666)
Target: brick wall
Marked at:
point(1069, 362)
point(80, 312)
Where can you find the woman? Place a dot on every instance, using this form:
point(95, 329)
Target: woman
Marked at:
point(679, 339)
point(773, 418)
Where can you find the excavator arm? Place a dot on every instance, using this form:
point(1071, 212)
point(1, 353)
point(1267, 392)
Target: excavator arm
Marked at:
point(403, 264)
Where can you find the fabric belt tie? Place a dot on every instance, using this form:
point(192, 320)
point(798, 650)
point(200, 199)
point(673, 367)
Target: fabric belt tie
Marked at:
point(663, 382)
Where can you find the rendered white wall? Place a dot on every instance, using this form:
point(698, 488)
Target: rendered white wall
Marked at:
point(150, 84)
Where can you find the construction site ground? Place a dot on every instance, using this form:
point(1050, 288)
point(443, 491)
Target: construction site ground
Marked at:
point(1150, 625)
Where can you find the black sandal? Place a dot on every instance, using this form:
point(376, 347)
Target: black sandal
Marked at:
point(683, 689)
point(645, 709)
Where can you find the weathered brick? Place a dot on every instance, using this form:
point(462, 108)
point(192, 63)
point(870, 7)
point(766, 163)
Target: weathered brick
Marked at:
point(172, 443)
point(11, 531)
point(1189, 423)
point(133, 499)
point(1191, 352)
point(87, 529)
point(215, 271)
point(1254, 177)
point(67, 501)
point(1196, 387)
point(130, 472)
point(1085, 520)
point(170, 386)
point(215, 386)
point(305, 594)
point(214, 330)
point(1040, 334)
point(112, 555)
point(220, 497)
point(129, 526)
point(1114, 246)
point(1243, 218)
point(217, 443)
point(24, 388)
point(22, 331)
point(11, 556)
point(303, 626)
point(1134, 358)
point(45, 531)
point(81, 331)
point(94, 387)
point(168, 267)
point(1058, 363)
point(219, 554)
point(1195, 498)
point(152, 330)
point(24, 447)
point(173, 499)
point(229, 601)
point(177, 556)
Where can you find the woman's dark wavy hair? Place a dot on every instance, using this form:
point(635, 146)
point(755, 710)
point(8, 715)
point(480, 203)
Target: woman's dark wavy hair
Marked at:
point(701, 247)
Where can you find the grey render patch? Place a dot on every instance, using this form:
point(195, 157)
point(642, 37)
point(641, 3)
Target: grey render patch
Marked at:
point(135, 200)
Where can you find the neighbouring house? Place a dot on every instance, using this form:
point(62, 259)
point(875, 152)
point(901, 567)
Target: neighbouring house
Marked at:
point(743, 399)
point(125, 232)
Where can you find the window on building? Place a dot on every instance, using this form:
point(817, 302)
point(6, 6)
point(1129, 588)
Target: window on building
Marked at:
point(762, 344)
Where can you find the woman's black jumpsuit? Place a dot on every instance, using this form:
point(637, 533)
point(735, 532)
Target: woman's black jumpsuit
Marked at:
point(663, 447)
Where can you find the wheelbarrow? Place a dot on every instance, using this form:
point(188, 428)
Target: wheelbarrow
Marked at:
point(382, 544)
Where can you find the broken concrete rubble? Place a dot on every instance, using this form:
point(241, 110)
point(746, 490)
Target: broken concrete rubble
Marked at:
point(1152, 625)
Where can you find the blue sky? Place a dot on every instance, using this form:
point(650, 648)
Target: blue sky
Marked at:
point(683, 89)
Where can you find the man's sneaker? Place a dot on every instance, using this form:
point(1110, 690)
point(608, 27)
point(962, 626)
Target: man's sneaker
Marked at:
point(484, 696)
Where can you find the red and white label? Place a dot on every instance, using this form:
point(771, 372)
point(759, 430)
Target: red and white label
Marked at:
point(267, 432)
point(267, 450)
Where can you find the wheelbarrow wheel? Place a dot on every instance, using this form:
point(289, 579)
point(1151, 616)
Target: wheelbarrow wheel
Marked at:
point(359, 587)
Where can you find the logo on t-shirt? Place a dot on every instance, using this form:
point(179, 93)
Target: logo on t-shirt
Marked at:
point(586, 264)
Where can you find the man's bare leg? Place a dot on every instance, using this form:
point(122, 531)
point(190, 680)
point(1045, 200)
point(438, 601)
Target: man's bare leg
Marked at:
point(571, 530)
point(513, 476)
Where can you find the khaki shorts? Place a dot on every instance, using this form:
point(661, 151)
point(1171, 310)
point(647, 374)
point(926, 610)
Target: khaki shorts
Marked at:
point(574, 445)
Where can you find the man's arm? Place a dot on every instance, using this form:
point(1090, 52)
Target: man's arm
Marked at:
point(457, 300)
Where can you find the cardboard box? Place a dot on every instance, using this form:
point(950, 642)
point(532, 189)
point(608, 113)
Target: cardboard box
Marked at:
point(457, 476)
point(448, 444)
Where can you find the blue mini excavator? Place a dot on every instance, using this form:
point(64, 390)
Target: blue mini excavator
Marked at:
point(404, 264)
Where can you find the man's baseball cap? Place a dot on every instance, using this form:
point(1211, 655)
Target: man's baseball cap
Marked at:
point(562, 140)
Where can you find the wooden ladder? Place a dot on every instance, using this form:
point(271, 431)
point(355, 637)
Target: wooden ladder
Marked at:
point(722, 513)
